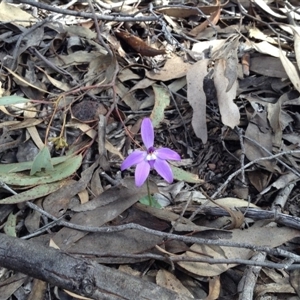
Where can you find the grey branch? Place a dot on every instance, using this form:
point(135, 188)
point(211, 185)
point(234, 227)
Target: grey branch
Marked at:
point(81, 276)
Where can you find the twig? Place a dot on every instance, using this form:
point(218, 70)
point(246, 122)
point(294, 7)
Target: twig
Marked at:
point(177, 258)
point(88, 15)
point(275, 156)
point(242, 158)
point(282, 197)
point(247, 283)
point(98, 29)
point(114, 5)
point(166, 236)
point(20, 39)
point(270, 153)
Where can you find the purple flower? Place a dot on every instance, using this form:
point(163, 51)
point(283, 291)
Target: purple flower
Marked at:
point(150, 159)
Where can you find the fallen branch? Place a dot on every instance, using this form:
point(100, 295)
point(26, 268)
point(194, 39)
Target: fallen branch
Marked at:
point(81, 276)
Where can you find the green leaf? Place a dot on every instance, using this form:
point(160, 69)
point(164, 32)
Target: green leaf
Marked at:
point(162, 100)
point(42, 161)
point(10, 100)
point(182, 175)
point(27, 165)
point(34, 193)
point(10, 225)
point(153, 203)
point(59, 172)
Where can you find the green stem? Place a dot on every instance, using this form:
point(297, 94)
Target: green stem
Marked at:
point(148, 190)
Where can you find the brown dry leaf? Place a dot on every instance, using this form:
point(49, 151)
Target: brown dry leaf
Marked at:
point(185, 11)
point(197, 98)
point(237, 217)
point(259, 130)
point(34, 134)
point(265, 236)
point(163, 214)
point(169, 281)
point(259, 179)
point(174, 68)
point(58, 202)
point(103, 209)
point(212, 20)
point(20, 80)
point(229, 110)
point(92, 133)
point(83, 196)
point(268, 66)
point(214, 288)
point(113, 247)
point(138, 44)
point(274, 117)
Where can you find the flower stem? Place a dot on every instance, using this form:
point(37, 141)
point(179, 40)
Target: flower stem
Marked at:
point(148, 190)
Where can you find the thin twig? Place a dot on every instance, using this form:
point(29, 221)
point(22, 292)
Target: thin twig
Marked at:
point(165, 236)
point(177, 258)
point(99, 36)
point(275, 156)
point(88, 15)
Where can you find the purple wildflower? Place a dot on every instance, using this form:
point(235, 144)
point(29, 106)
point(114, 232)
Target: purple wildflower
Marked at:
point(150, 159)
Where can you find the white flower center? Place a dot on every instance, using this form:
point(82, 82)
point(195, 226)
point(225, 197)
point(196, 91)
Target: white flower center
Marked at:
point(151, 156)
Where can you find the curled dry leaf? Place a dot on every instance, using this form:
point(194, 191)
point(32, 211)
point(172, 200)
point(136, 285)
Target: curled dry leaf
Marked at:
point(214, 288)
point(138, 44)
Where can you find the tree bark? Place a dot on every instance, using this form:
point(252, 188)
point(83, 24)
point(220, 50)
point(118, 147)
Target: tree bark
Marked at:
point(81, 276)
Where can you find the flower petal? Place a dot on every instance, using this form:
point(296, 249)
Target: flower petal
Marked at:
point(147, 132)
point(141, 173)
point(134, 158)
point(166, 153)
point(163, 169)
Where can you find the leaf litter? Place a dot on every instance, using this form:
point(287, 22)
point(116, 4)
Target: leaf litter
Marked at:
point(221, 85)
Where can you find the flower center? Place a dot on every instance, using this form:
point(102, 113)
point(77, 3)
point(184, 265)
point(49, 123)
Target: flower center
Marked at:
point(151, 154)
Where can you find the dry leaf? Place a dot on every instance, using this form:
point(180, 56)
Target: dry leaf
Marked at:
point(229, 111)
point(290, 70)
point(259, 130)
point(214, 288)
point(265, 236)
point(212, 20)
point(138, 44)
point(169, 281)
point(197, 98)
point(174, 67)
